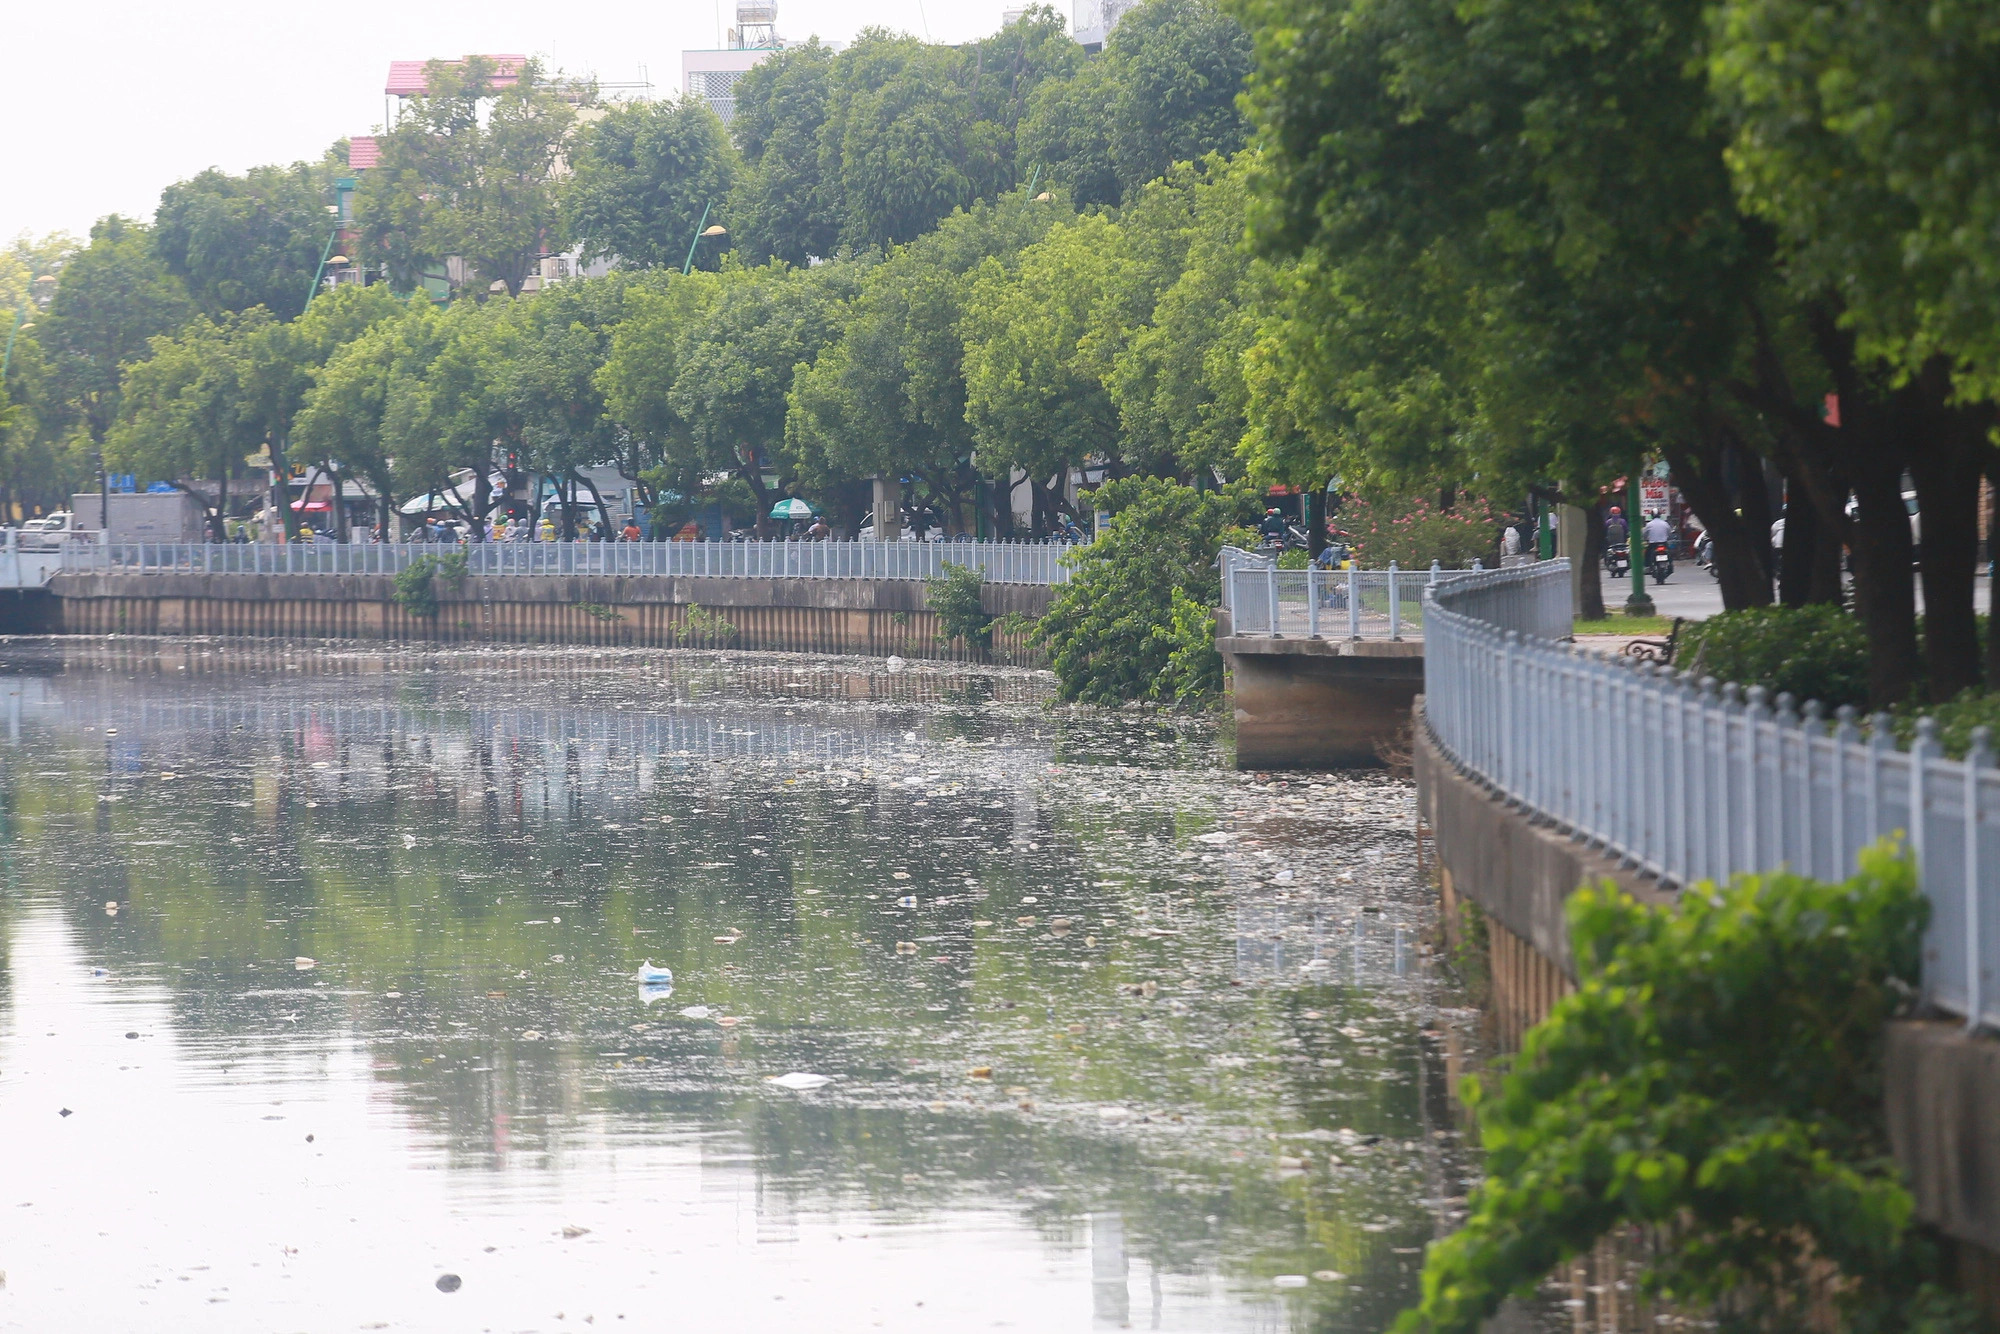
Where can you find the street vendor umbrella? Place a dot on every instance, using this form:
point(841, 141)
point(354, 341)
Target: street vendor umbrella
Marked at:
point(791, 507)
point(312, 506)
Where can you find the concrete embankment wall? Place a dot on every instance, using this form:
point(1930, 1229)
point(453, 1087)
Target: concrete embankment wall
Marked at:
point(873, 617)
point(1941, 1082)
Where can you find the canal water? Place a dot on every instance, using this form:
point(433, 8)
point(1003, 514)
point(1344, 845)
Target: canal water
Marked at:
point(320, 1004)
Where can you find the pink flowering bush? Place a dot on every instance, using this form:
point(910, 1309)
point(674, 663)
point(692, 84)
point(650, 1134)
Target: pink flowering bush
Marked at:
point(1412, 531)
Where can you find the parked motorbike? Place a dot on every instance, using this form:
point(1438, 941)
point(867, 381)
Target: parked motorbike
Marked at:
point(1659, 562)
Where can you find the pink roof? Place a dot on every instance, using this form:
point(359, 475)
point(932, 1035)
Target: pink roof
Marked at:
point(362, 152)
point(406, 77)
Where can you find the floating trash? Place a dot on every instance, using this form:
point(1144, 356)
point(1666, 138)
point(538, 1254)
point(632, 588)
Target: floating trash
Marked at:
point(800, 1082)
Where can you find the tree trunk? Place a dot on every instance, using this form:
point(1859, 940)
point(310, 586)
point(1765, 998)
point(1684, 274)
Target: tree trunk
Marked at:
point(1992, 536)
point(1700, 474)
point(1884, 595)
point(566, 491)
point(1593, 563)
point(482, 501)
point(1316, 520)
point(339, 505)
point(1946, 469)
point(1799, 560)
point(603, 512)
point(219, 525)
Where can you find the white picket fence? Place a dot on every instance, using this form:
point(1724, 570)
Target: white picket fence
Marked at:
point(1001, 562)
point(1692, 780)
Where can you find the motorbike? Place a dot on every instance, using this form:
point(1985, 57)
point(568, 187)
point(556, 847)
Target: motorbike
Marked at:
point(1659, 561)
point(1618, 560)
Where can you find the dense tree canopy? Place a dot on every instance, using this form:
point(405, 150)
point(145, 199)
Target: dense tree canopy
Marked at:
point(249, 240)
point(468, 171)
point(645, 178)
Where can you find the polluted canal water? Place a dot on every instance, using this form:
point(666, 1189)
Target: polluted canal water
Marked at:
point(321, 1003)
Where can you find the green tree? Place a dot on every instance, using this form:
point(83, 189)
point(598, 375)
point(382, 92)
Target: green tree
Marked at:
point(114, 296)
point(1118, 629)
point(189, 408)
point(1034, 373)
point(249, 240)
point(888, 397)
point(340, 425)
point(1177, 68)
point(1066, 133)
point(734, 371)
point(644, 176)
point(780, 209)
point(1163, 91)
point(468, 171)
point(902, 145)
point(285, 358)
point(646, 353)
point(1864, 136)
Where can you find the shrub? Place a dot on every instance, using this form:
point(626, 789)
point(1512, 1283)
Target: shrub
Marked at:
point(1817, 652)
point(703, 628)
point(954, 596)
point(1717, 1075)
point(1956, 720)
point(416, 590)
point(1413, 532)
point(1112, 631)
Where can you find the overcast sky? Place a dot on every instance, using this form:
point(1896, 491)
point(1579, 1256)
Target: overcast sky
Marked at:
point(108, 101)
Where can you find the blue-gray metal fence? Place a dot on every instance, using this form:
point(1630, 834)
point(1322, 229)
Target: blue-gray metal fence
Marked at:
point(1002, 562)
point(1312, 603)
point(1689, 779)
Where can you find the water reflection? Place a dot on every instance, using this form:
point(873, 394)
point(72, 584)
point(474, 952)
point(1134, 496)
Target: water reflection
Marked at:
point(1112, 1037)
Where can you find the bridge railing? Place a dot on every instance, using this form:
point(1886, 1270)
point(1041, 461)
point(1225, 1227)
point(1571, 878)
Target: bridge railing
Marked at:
point(1688, 779)
point(1312, 603)
point(1002, 562)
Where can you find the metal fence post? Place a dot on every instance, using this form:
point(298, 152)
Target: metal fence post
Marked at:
point(1395, 606)
point(1271, 587)
point(1312, 602)
point(1978, 757)
point(1353, 601)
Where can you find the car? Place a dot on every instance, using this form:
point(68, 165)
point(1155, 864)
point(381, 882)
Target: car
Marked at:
point(49, 532)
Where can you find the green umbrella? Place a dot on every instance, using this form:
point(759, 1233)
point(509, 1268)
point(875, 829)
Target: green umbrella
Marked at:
point(791, 507)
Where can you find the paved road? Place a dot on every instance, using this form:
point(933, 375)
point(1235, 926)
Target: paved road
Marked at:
point(1692, 593)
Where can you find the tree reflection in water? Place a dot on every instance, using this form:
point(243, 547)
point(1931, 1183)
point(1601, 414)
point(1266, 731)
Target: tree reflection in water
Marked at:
point(1229, 1063)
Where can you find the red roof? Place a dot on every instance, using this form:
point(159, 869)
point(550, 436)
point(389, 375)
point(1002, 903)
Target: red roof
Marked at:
point(362, 152)
point(406, 77)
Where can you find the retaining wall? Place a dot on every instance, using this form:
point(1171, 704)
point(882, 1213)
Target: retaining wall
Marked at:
point(1941, 1081)
point(871, 617)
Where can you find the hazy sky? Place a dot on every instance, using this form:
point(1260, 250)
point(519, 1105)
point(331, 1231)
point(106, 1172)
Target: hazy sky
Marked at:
point(110, 100)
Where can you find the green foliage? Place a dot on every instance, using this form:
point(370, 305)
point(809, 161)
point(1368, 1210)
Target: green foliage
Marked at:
point(1164, 91)
point(954, 596)
point(416, 583)
point(1863, 135)
point(599, 612)
point(114, 297)
point(1293, 560)
point(703, 628)
point(191, 408)
point(1192, 674)
point(1817, 652)
point(1956, 719)
point(1413, 531)
point(1717, 1075)
point(467, 171)
point(249, 240)
point(1124, 626)
point(645, 176)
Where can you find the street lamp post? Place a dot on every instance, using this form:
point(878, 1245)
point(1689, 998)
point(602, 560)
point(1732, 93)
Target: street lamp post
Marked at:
point(701, 229)
point(1635, 535)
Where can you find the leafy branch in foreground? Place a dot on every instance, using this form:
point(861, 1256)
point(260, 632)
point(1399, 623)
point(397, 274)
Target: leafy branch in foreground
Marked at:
point(1717, 1076)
